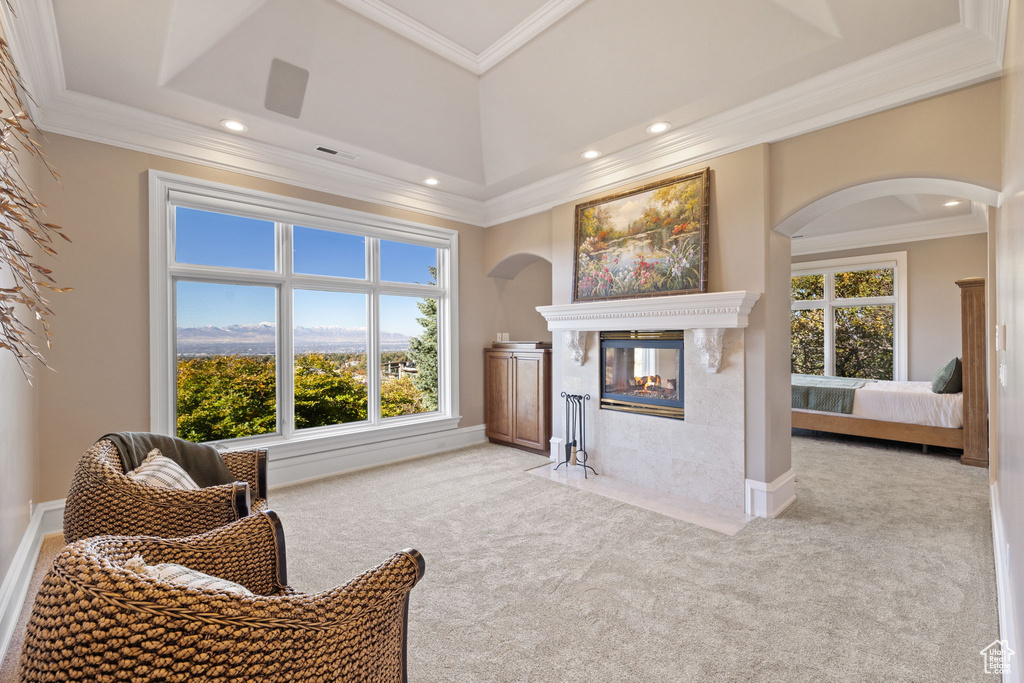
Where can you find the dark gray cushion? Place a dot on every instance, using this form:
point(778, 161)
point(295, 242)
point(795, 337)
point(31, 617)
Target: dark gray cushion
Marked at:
point(203, 463)
point(949, 379)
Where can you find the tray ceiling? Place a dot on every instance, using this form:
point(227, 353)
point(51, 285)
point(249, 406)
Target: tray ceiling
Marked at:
point(496, 99)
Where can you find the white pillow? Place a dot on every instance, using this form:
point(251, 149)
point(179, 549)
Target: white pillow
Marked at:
point(176, 573)
point(159, 470)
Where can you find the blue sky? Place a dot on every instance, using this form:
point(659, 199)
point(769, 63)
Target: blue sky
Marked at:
point(207, 238)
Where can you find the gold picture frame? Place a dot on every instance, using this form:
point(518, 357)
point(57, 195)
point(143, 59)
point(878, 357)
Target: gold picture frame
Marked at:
point(649, 241)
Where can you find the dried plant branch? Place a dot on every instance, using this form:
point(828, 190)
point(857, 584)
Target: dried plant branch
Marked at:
point(21, 216)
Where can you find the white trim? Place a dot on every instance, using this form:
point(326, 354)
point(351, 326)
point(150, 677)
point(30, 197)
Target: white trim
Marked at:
point(896, 260)
point(769, 500)
point(525, 31)
point(557, 452)
point(167, 190)
point(1004, 589)
point(407, 27)
point(917, 231)
point(47, 518)
point(938, 62)
point(337, 461)
point(411, 29)
point(944, 60)
point(682, 311)
point(801, 218)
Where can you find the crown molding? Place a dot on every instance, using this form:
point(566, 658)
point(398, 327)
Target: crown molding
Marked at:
point(938, 62)
point(527, 30)
point(407, 27)
point(32, 35)
point(110, 123)
point(917, 231)
point(421, 34)
point(944, 60)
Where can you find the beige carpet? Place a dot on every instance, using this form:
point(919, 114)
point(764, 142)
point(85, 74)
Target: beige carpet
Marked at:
point(881, 571)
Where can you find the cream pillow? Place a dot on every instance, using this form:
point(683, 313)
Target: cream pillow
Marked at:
point(159, 470)
point(176, 573)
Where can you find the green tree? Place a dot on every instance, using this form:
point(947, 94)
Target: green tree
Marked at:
point(326, 394)
point(226, 397)
point(400, 396)
point(423, 350)
point(863, 335)
point(808, 341)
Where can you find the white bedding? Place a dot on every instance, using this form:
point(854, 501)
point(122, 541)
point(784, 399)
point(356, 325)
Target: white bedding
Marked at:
point(906, 402)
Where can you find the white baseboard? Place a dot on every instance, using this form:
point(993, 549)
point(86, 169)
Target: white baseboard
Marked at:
point(1004, 593)
point(769, 500)
point(557, 451)
point(318, 465)
point(47, 518)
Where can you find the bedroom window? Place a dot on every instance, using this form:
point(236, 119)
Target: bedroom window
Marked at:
point(279, 321)
point(848, 317)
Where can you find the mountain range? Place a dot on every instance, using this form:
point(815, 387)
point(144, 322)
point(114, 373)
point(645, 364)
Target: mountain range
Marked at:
point(261, 338)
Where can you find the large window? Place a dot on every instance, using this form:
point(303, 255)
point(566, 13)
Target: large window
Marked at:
point(849, 317)
point(276, 320)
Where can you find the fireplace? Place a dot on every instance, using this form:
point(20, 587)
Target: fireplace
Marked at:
point(642, 372)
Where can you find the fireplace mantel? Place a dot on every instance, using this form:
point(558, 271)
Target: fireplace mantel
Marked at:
point(706, 314)
point(679, 312)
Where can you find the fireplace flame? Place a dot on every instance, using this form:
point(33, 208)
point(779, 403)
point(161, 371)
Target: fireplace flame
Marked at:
point(648, 381)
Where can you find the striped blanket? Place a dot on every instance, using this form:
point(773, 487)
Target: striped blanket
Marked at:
point(831, 394)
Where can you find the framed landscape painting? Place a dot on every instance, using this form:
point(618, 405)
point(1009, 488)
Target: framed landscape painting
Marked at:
point(651, 241)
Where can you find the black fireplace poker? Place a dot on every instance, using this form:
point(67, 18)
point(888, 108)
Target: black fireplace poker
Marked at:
point(576, 433)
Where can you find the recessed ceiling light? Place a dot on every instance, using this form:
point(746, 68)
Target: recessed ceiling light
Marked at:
point(659, 127)
point(955, 202)
point(432, 181)
point(236, 126)
point(591, 154)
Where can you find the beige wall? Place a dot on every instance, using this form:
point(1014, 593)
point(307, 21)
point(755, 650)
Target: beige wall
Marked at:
point(933, 299)
point(101, 353)
point(18, 445)
point(955, 136)
point(518, 300)
point(1009, 252)
point(512, 245)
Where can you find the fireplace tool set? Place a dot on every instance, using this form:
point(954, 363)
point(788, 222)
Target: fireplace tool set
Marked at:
point(576, 433)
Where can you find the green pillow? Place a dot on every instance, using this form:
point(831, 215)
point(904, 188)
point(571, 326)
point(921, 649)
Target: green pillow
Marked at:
point(949, 379)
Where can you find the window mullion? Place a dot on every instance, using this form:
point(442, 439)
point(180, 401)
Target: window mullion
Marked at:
point(286, 340)
point(830, 325)
point(213, 274)
point(373, 370)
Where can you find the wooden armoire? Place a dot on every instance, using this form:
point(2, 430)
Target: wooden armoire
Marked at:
point(517, 395)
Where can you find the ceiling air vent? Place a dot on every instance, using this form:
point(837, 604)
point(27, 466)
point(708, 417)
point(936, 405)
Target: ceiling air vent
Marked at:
point(335, 153)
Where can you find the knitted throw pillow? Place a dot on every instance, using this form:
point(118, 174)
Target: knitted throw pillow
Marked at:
point(949, 378)
point(176, 573)
point(159, 470)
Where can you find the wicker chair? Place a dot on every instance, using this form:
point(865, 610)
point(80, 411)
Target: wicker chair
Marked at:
point(102, 500)
point(94, 620)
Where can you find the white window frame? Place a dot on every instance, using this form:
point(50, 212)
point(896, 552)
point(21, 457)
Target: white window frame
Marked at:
point(896, 260)
point(168, 191)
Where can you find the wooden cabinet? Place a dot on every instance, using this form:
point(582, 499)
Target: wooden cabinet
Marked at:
point(517, 395)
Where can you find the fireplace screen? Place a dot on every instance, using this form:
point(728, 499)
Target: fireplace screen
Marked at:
point(643, 372)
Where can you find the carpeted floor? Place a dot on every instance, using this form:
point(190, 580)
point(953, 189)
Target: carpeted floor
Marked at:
point(881, 571)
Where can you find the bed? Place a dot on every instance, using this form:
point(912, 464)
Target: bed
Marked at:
point(909, 411)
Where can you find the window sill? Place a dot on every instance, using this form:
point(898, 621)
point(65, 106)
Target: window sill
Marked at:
point(332, 439)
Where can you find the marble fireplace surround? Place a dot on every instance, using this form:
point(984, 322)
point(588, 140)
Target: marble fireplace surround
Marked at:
point(701, 457)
